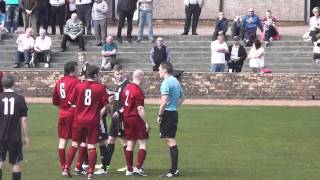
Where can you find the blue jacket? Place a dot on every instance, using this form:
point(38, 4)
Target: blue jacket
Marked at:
point(251, 23)
point(222, 25)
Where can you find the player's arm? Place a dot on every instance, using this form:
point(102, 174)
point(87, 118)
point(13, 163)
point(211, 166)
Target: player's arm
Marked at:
point(55, 97)
point(24, 124)
point(143, 116)
point(163, 104)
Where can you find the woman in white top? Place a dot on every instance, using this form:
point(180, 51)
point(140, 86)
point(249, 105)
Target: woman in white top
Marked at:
point(256, 57)
point(315, 24)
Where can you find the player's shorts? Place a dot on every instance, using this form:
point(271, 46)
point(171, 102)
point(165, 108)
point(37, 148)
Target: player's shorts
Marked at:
point(90, 134)
point(116, 126)
point(14, 148)
point(65, 127)
point(169, 124)
point(135, 128)
point(103, 135)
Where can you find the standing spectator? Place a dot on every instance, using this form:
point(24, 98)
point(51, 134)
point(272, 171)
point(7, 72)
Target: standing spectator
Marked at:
point(192, 9)
point(89, 97)
point(145, 14)
point(84, 10)
point(73, 32)
point(99, 18)
point(61, 92)
point(316, 50)
point(39, 16)
point(269, 28)
point(109, 54)
point(12, 15)
point(236, 29)
point(13, 123)
point(125, 10)
point(221, 26)
point(27, 7)
point(1, 87)
point(42, 49)
point(71, 8)
point(3, 30)
point(172, 98)
point(83, 64)
point(250, 24)
point(218, 50)
point(57, 15)
point(159, 53)
point(236, 56)
point(136, 126)
point(25, 46)
point(256, 57)
point(2, 6)
point(315, 24)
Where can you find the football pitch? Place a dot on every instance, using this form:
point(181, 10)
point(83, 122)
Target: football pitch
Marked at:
point(215, 142)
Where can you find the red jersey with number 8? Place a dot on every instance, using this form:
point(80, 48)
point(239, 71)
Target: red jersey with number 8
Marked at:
point(132, 97)
point(89, 97)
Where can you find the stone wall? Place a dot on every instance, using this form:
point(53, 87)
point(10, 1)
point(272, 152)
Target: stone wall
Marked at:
point(197, 85)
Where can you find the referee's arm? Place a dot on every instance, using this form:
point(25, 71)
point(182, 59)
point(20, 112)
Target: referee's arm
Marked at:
point(163, 103)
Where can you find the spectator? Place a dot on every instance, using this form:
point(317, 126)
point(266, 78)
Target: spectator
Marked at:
point(125, 10)
point(109, 53)
point(221, 26)
point(256, 57)
point(25, 45)
point(84, 63)
point(12, 15)
point(84, 10)
point(57, 15)
point(71, 8)
point(3, 30)
point(145, 14)
point(192, 9)
point(236, 56)
point(1, 75)
point(3, 6)
point(316, 50)
point(39, 16)
point(73, 32)
point(42, 49)
point(27, 7)
point(250, 24)
point(269, 28)
point(218, 50)
point(315, 24)
point(236, 29)
point(99, 18)
point(159, 53)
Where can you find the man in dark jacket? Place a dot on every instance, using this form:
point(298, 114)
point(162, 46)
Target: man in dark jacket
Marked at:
point(221, 26)
point(236, 56)
point(159, 53)
point(125, 10)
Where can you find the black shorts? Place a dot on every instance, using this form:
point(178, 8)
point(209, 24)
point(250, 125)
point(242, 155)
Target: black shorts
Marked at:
point(116, 126)
point(169, 124)
point(14, 148)
point(103, 135)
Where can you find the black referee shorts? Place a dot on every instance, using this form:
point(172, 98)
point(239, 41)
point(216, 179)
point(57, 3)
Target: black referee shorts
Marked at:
point(14, 148)
point(116, 126)
point(169, 124)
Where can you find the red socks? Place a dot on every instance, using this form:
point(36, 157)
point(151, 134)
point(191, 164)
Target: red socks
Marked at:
point(92, 156)
point(81, 154)
point(62, 158)
point(71, 153)
point(141, 157)
point(129, 159)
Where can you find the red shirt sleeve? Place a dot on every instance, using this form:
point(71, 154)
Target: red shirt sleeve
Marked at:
point(55, 95)
point(139, 98)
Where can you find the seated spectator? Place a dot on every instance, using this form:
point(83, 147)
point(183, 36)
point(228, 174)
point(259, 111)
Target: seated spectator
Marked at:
point(42, 49)
point(83, 64)
point(221, 26)
point(256, 57)
point(250, 23)
point(315, 24)
point(269, 28)
point(99, 19)
point(73, 32)
point(3, 30)
point(236, 56)
point(159, 53)
point(218, 50)
point(109, 53)
point(236, 29)
point(25, 46)
point(316, 50)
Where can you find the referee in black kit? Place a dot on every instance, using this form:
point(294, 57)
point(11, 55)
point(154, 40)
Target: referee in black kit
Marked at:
point(13, 115)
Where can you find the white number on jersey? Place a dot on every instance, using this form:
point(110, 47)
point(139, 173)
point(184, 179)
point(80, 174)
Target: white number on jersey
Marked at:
point(62, 91)
point(87, 97)
point(6, 106)
point(127, 97)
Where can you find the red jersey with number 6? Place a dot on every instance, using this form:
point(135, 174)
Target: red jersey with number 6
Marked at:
point(89, 97)
point(61, 92)
point(132, 97)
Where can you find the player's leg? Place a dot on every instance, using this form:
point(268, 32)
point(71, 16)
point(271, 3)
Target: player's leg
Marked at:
point(123, 142)
point(62, 152)
point(16, 172)
point(3, 152)
point(92, 139)
point(82, 151)
point(142, 153)
point(15, 157)
point(129, 157)
point(103, 156)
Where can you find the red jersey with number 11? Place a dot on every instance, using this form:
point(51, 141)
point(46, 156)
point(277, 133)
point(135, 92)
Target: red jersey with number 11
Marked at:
point(89, 97)
point(132, 97)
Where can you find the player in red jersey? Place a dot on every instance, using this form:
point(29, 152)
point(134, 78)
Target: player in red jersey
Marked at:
point(61, 92)
point(89, 97)
point(136, 126)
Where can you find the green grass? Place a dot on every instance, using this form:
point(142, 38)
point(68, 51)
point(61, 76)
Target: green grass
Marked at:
point(215, 142)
